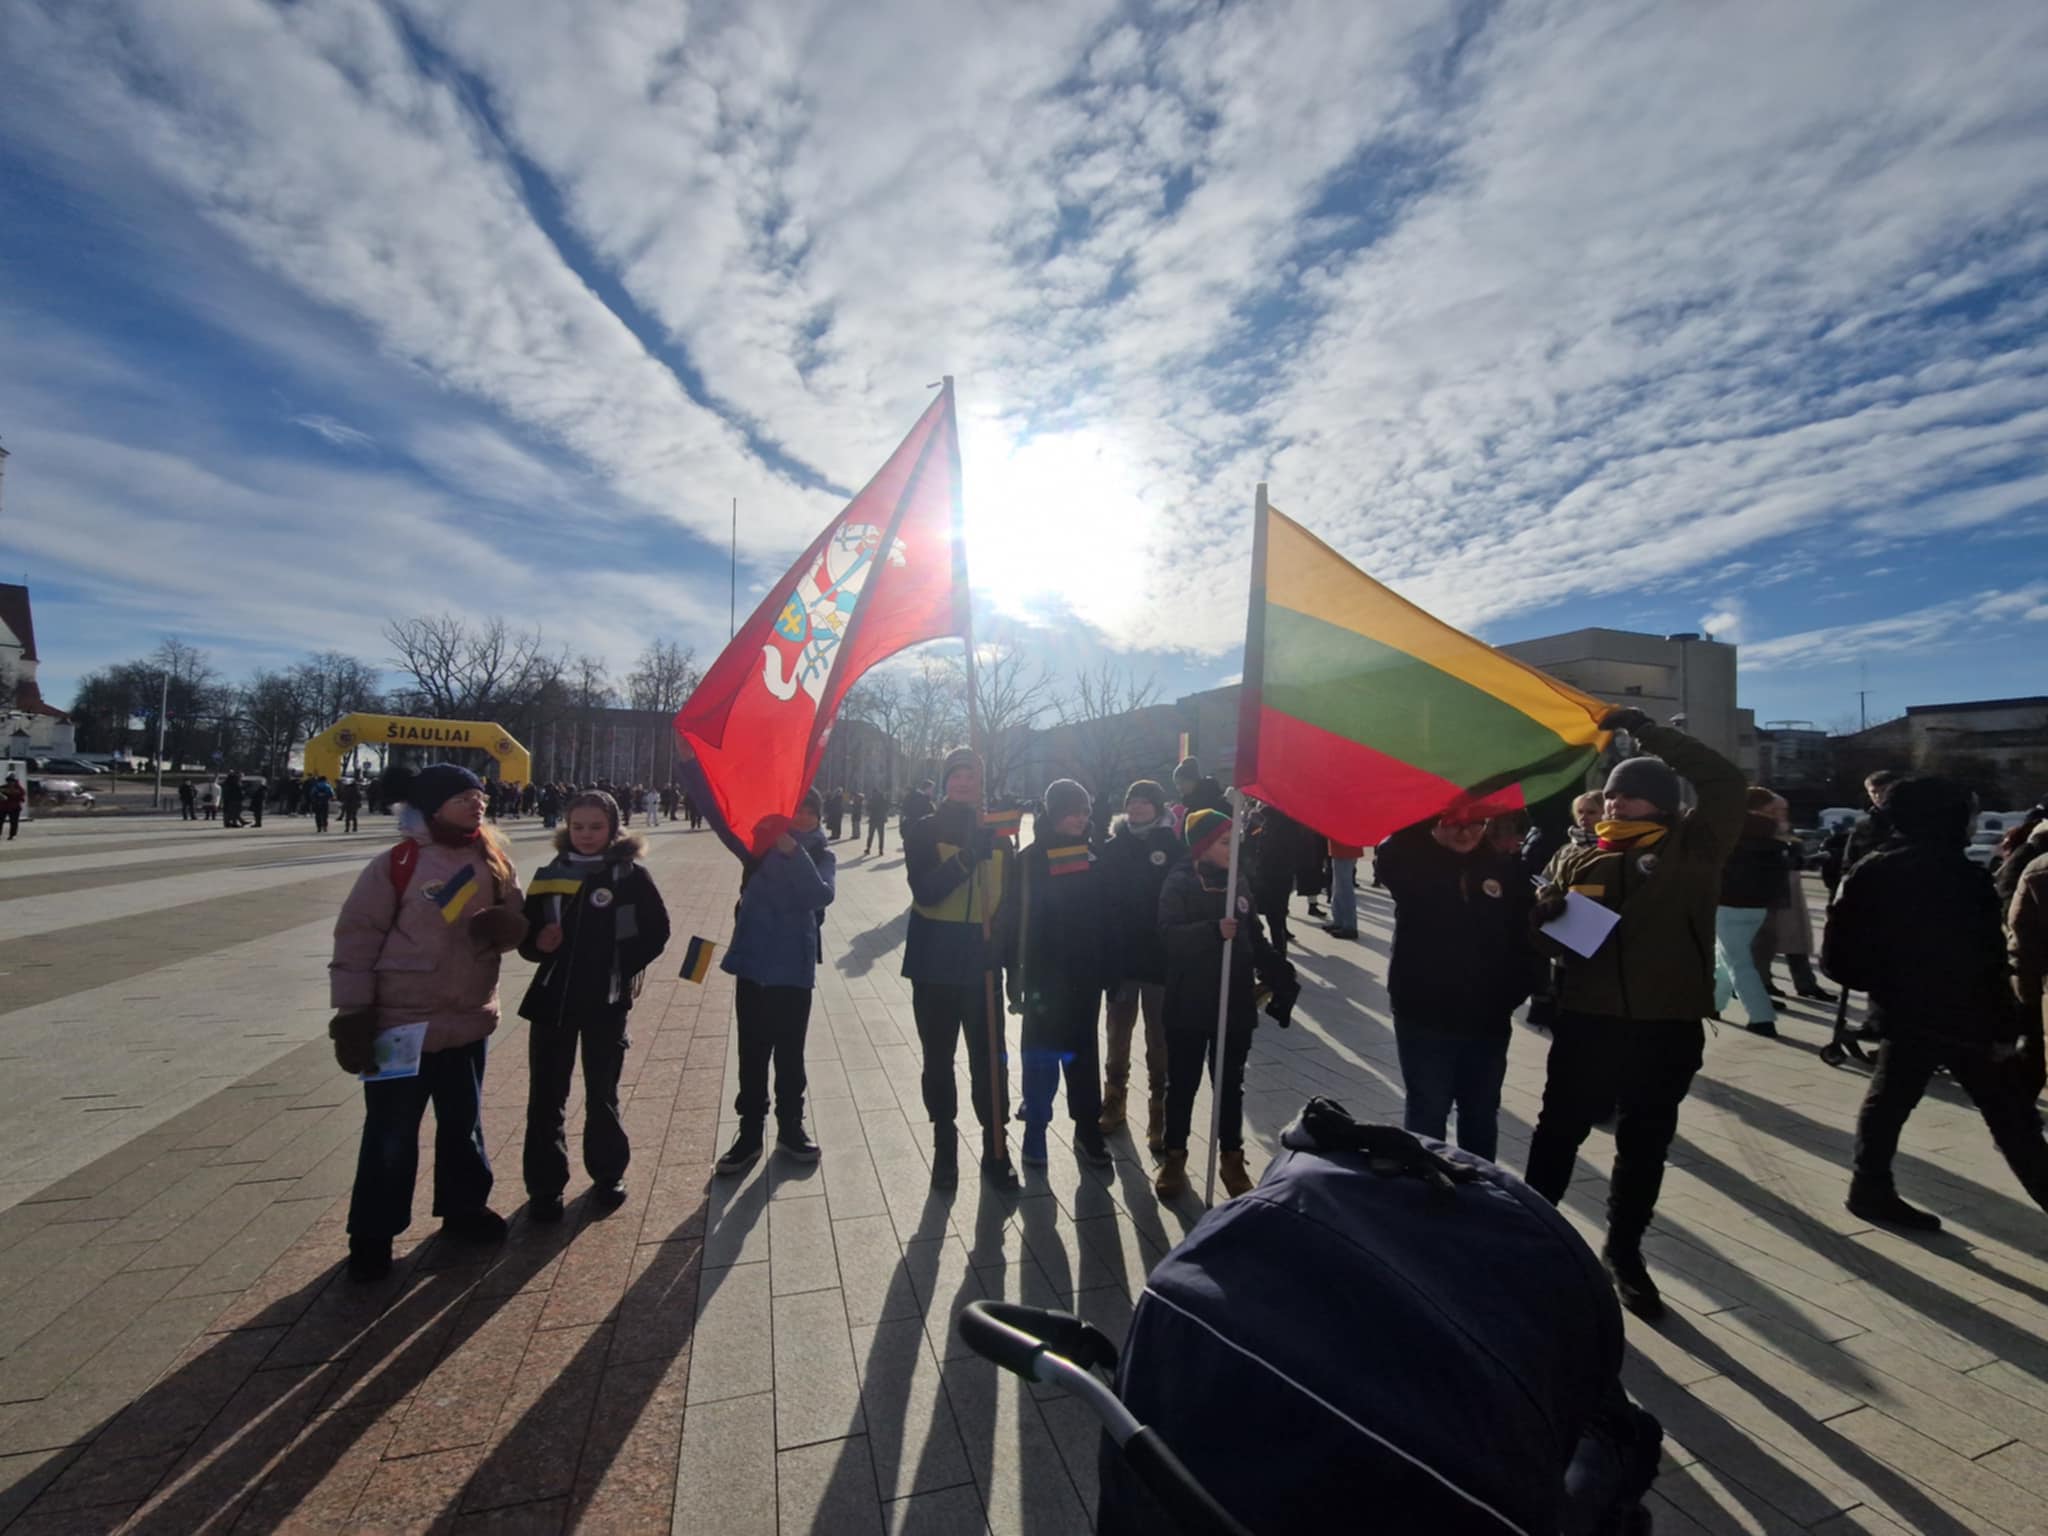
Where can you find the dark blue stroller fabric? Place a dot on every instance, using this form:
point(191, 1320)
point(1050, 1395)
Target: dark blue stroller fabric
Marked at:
point(1388, 1334)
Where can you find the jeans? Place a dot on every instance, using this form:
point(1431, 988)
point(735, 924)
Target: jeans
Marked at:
point(10, 818)
point(773, 1023)
point(1905, 1065)
point(388, 1164)
point(944, 1012)
point(1343, 899)
point(1059, 1036)
point(1186, 1050)
point(1120, 1019)
point(878, 836)
point(1735, 972)
point(1641, 1070)
point(319, 818)
point(1440, 1070)
point(551, 1060)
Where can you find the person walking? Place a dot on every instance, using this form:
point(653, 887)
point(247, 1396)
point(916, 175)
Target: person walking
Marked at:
point(231, 799)
point(1343, 865)
point(1059, 964)
point(777, 944)
point(594, 923)
point(209, 798)
point(650, 804)
point(1141, 851)
point(350, 795)
point(1198, 914)
point(319, 800)
point(835, 813)
point(1751, 880)
point(963, 888)
point(1788, 929)
point(855, 804)
point(550, 806)
point(417, 946)
point(1462, 964)
point(1916, 926)
point(1629, 1036)
point(12, 798)
point(188, 801)
point(255, 790)
point(878, 822)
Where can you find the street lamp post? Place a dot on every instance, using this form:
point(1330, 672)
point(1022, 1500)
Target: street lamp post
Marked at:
point(163, 705)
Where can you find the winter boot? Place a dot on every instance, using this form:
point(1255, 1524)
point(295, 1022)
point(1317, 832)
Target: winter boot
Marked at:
point(745, 1148)
point(945, 1154)
point(369, 1258)
point(1172, 1180)
point(793, 1142)
point(1881, 1205)
point(1230, 1168)
point(1632, 1282)
point(481, 1225)
point(1090, 1148)
point(1155, 1123)
point(1034, 1145)
point(1112, 1117)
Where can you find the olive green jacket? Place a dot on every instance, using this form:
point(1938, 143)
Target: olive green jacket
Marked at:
point(1658, 963)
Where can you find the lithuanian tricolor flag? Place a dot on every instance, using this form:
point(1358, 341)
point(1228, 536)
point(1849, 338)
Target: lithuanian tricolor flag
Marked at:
point(1360, 714)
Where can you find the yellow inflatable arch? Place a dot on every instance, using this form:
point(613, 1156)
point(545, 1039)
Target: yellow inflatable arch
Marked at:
point(325, 751)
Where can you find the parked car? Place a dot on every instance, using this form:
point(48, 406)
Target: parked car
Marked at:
point(69, 765)
point(1983, 846)
point(52, 792)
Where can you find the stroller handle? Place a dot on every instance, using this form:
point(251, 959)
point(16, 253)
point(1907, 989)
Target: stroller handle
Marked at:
point(1043, 1345)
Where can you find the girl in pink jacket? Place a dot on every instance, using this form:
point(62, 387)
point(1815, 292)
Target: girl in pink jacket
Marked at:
point(416, 952)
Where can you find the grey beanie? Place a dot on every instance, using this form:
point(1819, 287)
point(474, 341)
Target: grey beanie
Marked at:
point(1066, 797)
point(1646, 778)
point(1189, 772)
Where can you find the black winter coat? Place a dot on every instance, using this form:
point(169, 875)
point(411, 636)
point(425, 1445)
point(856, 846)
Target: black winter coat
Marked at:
point(1189, 911)
point(1917, 926)
point(1463, 960)
point(1754, 875)
point(1137, 864)
point(614, 925)
point(1274, 842)
point(1062, 940)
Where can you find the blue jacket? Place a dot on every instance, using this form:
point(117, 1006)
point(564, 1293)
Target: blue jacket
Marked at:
point(778, 931)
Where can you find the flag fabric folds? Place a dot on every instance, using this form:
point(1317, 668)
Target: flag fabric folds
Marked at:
point(697, 959)
point(1361, 714)
point(889, 572)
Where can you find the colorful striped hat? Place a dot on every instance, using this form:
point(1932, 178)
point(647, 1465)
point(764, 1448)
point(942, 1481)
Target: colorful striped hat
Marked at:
point(1202, 831)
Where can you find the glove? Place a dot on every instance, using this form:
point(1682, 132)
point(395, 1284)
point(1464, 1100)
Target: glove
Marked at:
point(498, 928)
point(354, 1033)
point(1548, 908)
point(1624, 719)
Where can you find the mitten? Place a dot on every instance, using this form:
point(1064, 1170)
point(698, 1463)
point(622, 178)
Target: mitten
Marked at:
point(1549, 906)
point(498, 928)
point(354, 1033)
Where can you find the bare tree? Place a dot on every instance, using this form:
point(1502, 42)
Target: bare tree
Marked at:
point(330, 684)
point(461, 671)
point(879, 699)
point(1010, 700)
point(934, 714)
point(1104, 714)
point(663, 678)
point(270, 705)
point(194, 691)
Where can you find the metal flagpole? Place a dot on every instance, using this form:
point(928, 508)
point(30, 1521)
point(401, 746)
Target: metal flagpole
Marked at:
point(163, 707)
point(732, 601)
point(1216, 1062)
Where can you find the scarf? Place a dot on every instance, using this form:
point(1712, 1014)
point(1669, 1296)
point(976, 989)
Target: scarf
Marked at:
point(1629, 834)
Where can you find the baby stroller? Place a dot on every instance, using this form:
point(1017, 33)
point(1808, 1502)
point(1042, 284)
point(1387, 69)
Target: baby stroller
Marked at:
point(1386, 1335)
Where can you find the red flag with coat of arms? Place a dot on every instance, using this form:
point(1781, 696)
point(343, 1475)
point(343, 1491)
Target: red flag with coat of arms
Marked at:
point(889, 572)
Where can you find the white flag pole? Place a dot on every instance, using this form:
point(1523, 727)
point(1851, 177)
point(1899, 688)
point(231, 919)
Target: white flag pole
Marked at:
point(1217, 1066)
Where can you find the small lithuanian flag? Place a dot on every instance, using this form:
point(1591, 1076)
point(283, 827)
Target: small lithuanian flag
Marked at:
point(1069, 861)
point(1003, 823)
point(697, 959)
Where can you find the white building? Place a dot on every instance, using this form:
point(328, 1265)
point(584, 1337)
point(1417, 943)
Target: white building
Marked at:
point(23, 712)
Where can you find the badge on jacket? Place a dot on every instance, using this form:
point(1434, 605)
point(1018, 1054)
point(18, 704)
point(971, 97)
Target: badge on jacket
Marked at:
point(1158, 856)
point(1647, 863)
point(1491, 887)
point(601, 897)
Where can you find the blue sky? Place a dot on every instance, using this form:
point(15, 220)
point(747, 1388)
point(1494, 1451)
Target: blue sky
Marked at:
point(1665, 317)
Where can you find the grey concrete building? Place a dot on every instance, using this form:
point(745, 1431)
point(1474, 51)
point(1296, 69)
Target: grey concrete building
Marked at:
point(1662, 675)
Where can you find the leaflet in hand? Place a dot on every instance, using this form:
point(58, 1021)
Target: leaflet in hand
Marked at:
point(398, 1052)
point(1584, 924)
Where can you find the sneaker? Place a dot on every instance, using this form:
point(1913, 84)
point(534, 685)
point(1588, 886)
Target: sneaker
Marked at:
point(610, 1197)
point(1884, 1208)
point(1034, 1146)
point(744, 1151)
point(794, 1143)
point(369, 1258)
point(544, 1208)
point(1093, 1151)
point(1768, 1031)
point(1632, 1283)
point(482, 1225)
point(1341, 933)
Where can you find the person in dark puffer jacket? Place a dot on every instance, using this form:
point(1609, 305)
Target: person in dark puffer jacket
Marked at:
point(1751, 880)
point(595, 922)
point(1142, 850)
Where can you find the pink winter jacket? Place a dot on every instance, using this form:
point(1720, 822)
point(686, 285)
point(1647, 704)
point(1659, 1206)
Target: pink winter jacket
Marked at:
point(403, 958)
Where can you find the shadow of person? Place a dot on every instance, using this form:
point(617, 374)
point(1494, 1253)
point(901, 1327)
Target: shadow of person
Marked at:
point(863, 950)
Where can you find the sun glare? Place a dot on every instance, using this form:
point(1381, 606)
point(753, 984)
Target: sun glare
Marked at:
point(1055, 522)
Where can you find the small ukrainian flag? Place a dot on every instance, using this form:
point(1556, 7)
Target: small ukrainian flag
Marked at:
point(697, 959)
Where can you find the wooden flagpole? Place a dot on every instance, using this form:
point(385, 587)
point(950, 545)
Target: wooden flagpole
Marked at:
point(998, 1138)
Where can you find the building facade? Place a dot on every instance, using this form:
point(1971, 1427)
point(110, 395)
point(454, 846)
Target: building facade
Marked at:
point(29, 725)
point(1690, 678)
point(1999, 747)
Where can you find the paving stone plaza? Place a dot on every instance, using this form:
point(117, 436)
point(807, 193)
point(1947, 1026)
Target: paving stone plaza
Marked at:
point(180, 1351)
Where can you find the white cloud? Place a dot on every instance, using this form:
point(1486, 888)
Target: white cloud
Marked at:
point(1964, 620)
point(339, 433)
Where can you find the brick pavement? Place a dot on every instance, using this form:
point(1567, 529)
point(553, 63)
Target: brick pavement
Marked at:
point(179, 1353)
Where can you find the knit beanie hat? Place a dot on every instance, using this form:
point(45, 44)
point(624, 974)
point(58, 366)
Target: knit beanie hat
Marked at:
point(1646, 778)
point(813, 802)
point(1203, 830)
point(958, 758)
point(1189, 772)
point(1147, 789)
point(1064, 798)
point(434, 786)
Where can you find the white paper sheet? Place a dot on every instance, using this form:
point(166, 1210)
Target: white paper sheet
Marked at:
point(398, 1052)
point(1584, 924)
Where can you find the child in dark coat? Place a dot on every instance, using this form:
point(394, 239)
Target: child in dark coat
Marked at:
point(1059, 965)
point(1197, 917)
point(595, 922)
